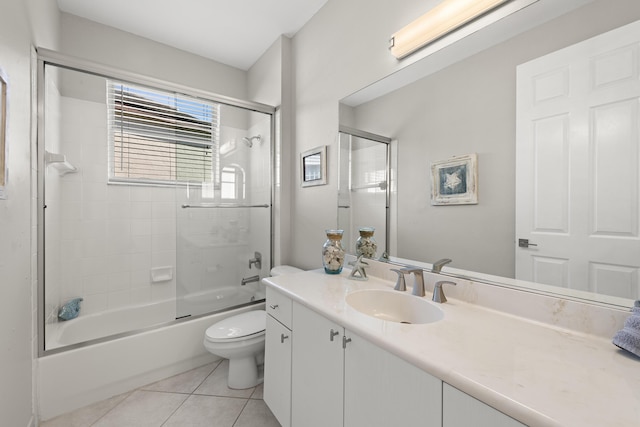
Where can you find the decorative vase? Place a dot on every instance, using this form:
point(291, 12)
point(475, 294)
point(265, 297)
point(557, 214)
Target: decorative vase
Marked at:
point(366, 245)
point(332, 252)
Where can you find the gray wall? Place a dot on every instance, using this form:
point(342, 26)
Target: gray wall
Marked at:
point(22, 23)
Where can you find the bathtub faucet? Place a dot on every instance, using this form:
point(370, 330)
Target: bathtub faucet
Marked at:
point(251, 279)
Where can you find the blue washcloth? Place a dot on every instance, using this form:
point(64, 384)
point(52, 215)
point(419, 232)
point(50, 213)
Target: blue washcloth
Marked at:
point(70, 309)
point(629, 337)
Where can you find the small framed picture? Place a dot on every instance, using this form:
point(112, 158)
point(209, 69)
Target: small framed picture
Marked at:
point(314, 166)
point(3, 134)
point(455, 181)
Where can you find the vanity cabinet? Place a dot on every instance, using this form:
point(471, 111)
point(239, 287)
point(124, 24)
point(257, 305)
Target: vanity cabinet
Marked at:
point(278, 339)
point(317, 371)
point(341, 379)
point(461, 410)
point(329, 376)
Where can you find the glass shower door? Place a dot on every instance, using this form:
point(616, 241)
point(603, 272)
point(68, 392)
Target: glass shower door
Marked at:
point(224, 226)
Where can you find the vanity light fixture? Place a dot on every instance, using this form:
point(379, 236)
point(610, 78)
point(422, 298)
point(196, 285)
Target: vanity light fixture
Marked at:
point(439, 21)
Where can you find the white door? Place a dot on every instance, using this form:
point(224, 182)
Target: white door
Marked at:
point(577, 189)
point(382, 390)
point(277, 377)
point(316, 370)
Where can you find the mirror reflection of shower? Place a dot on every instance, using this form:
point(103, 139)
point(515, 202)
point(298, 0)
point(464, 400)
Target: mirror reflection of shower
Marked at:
point(364, 193)
point(249, 140)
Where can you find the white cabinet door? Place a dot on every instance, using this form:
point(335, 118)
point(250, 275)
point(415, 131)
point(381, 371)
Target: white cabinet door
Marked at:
point(277, 373)
point(461, 410)
point(382, 390)
point(317, 367)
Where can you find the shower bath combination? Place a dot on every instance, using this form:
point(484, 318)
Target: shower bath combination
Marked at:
point(249, 140)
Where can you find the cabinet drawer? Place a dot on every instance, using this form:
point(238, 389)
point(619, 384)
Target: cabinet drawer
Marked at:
point(279, 306)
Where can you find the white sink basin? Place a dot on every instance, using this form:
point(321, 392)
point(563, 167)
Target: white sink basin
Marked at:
point(394, 306)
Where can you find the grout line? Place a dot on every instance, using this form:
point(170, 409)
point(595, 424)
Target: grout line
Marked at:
point(240, 414)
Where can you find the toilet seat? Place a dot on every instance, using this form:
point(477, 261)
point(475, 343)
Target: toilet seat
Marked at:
point(238, 328)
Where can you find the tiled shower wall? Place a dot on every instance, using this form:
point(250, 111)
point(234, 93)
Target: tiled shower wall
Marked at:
point(103, 240)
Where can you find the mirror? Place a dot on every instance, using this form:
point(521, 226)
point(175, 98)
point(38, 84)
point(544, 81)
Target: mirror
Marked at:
point(314, 167)
point(465, 107)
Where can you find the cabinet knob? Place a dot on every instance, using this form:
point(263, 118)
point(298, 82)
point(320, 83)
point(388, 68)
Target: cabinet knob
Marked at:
point(332, 334)
point(273, 306)
point(283, 337)
point(345, 341)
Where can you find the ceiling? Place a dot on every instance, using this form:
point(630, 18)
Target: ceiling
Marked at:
point(233, 32)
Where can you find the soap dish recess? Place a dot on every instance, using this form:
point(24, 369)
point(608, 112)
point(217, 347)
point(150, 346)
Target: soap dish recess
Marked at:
point(59, 161)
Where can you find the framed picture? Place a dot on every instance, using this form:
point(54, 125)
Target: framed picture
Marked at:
point(3, 134)
point(314, 166)
point(455, 181)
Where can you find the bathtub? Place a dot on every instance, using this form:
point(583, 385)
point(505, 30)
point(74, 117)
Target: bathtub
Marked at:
point(196, 303)
point(110, 322)
point(74, 378)
point(137, 317)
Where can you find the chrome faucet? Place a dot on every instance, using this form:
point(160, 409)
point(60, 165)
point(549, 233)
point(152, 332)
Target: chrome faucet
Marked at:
point(401, 285)
point(257, 261)
point(437, 266)
point(438, 294)
point(418, 280)
point(251, 279)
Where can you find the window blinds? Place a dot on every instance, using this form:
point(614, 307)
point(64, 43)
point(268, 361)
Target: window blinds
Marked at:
point(161, 137)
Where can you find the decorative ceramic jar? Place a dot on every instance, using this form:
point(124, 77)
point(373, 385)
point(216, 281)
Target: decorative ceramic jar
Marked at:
point(366, 245)
point(332, 252)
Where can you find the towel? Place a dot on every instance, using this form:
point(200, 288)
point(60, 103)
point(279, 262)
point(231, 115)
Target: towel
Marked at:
point(628, 338)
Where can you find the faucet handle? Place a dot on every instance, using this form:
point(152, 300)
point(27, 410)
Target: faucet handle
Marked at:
point(401, 285)
point(438, 294)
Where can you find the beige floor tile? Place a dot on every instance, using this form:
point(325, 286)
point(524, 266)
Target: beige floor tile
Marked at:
point(256, 414)
point(209, 411)
point(186, 382)
point(143, 409)
point(216, 384)
point(85, 417)
point(259, 392)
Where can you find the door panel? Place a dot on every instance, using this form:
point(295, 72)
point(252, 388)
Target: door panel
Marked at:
point(577, 166)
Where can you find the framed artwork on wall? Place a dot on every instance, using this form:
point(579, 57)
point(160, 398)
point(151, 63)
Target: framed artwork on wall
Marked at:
point(3, 134)
point(314, 166)
point(455, 181)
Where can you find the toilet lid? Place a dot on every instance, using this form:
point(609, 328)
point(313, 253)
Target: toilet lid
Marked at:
point(241, 325)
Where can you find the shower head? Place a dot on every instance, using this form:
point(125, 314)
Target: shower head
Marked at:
point(249, 141)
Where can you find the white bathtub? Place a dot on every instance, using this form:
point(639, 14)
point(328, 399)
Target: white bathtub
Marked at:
point(78, 377)
point(208, 301)
point(111, 322)
point(132, 318)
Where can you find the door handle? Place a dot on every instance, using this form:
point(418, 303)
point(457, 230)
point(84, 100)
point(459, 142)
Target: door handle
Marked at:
point(524, 243)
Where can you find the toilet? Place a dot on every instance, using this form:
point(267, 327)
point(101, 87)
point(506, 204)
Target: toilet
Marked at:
point(240, 339)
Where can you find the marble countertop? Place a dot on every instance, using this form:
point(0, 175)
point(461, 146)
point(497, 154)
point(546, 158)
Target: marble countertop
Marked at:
point(539, 374)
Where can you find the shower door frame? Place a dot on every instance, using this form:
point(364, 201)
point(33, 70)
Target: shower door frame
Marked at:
point(49, 57)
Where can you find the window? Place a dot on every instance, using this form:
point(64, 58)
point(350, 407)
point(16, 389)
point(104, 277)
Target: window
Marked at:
point(161, 137)
point(232, 183)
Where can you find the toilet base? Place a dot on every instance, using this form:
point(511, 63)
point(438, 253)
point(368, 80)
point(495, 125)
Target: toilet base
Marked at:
point(244, 373)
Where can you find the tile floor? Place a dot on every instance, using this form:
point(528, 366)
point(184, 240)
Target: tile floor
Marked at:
point(199, 397)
